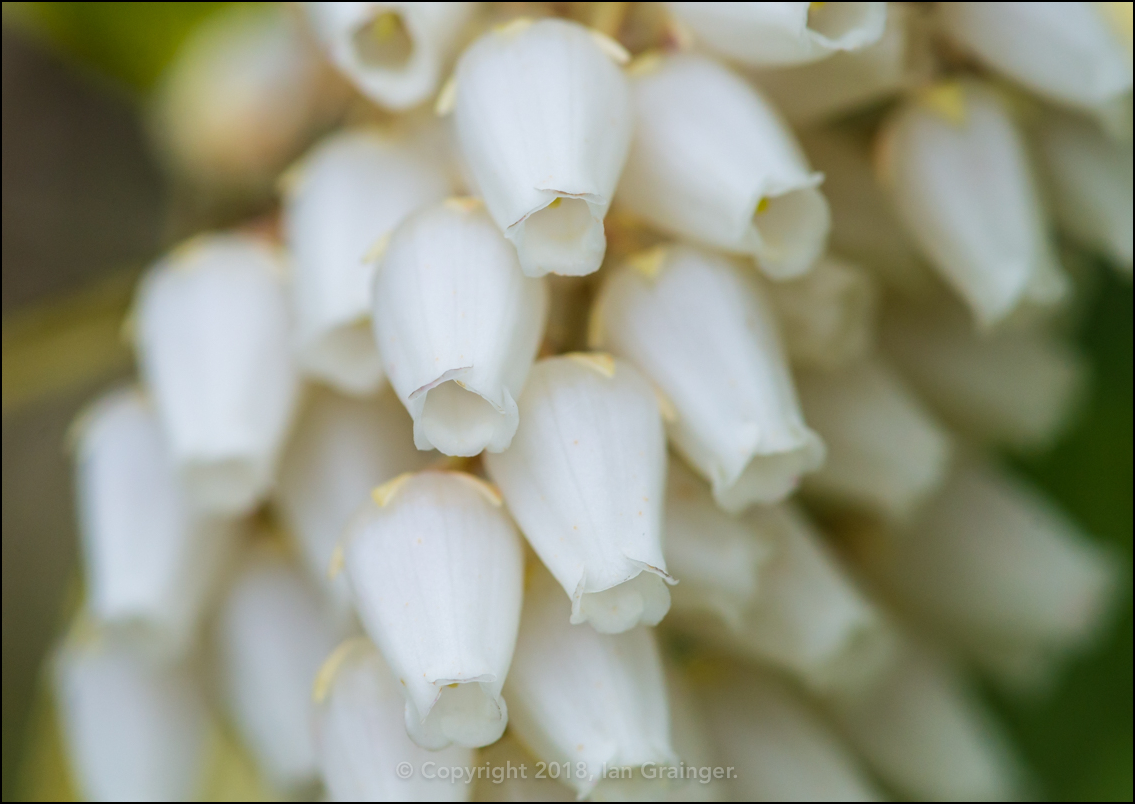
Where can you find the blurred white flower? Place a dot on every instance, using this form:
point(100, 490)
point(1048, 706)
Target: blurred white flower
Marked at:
point(360, 734)
point(705, 336)
point(782, 34)
point(213, 341)
point(436, 571)
point(353, 189)
point(712, 161)
point(393, 52)
point(544, 122)
point(584, 478)
point(458, 325)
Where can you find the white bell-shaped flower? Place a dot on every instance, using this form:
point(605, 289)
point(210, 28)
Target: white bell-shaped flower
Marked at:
point(393, 52)
point(927, 735)
point(950, 568)
point(827, 316)
point(588, 701)
point(703, 333)
point(1090, 184)
point(712, 161)
point(783, 34)
point(360, 735)
point(543, 116)
point(341, 449)
point(354, 189)
point(458, 325)
point(1076, 54)
point(135, 729)
point(959, 177)
point(436, 569)
point(776, 746)
point(272, 636)
point(150, 559)
point(886, 452)
point(213, 340)
point(1014, 386)
point(848, 80)
point(584, 479)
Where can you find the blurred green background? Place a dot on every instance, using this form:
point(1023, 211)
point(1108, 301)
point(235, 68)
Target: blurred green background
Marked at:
point(85, 207)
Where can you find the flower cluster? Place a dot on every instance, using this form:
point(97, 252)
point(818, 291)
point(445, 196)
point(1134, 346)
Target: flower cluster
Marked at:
point(625, 400)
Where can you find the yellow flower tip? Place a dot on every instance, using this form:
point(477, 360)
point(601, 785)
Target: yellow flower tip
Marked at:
point(559, 200)
point(608, 18)
point(762, 206)
point(648, 262)
point(386, 25)
point(335, 565)
point(612, 49)
point(463, 203)
point(486, 489)
point(513, 27)
point(666, 408)
point(375, 252)
point(599, 362)
point(330, 668)
point(384, 493)
point(946, 99)
point(447, 97)
point(645, 64)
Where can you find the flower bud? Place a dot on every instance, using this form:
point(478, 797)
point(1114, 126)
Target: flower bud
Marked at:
point(584, 479)
point(1090, 184)
point(213, 343)
point(927, 735)
point(827, 316)
point(135, 728)
point(544, 121)
point(711, 161)
point(1014, 386)
point(361, 739)
point(394, 53)
point(458, 325)
point(436, 571)
point(271, 639)
point(950, 567)
point(705, 336)
point(960, 180)
point(587, 700)
point(885, 451)
point(341, 449)
point(354, 189)
point(1076, 54)
point(150, 559)
point(778, 747)
point(783, 34)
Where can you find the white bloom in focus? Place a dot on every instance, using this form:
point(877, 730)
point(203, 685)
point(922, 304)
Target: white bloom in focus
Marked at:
point(135, 729)
point(341, 449)
point(1090, 184)
point(360, 734)
point(780, 749)
point(782, 34)
point(436, 572)
point(544, 120)
point(712, 161)
point(960, 180)
point(827, 316)
point(355, 188)
point(393, 52)
point(271, 638)
point(579, 696)
point(458, 325)
point(885, 450)
point(846, 81)
point(928, 735)
point(1076, 54)
point(213, 340)
point(584, 479)
point(150, 559)
point(1015, 386)
point(701, 330)
point(994, 565)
